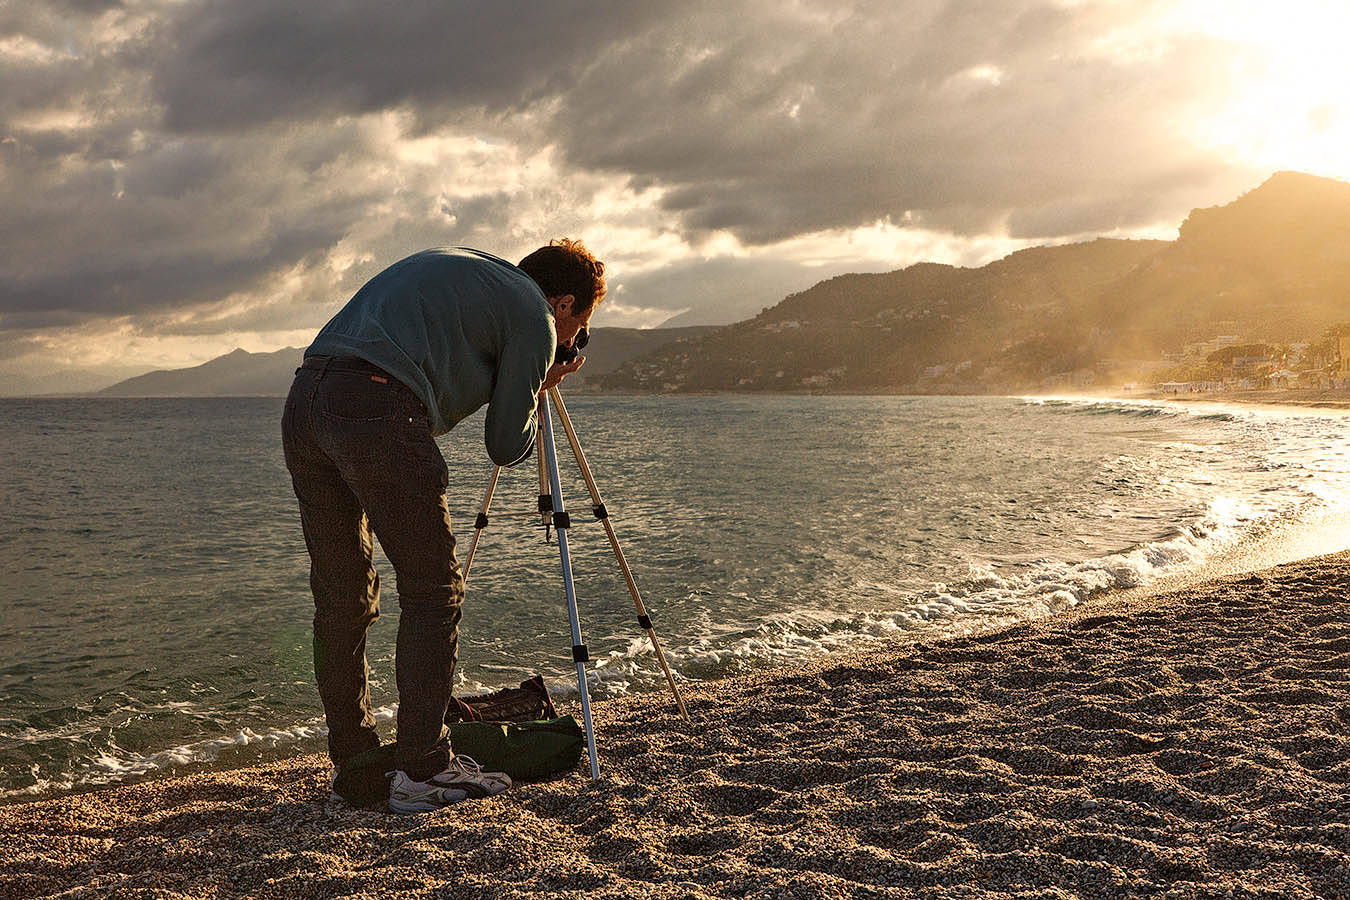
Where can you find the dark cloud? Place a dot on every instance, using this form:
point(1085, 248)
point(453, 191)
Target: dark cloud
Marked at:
point(233, 65)
point(766, 119)
point(84, 7)
point(178, 223)
point(174, 154)
point(958, 114)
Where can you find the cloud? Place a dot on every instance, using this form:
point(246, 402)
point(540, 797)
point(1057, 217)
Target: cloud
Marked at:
point(770, 125)
point(235, 65)
point(763, 119)
point(177, 167)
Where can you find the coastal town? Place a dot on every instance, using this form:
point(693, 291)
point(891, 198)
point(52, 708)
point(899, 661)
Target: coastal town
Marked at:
point(1229, 364)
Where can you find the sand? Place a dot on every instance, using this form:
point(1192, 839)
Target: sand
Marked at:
point(1185, 744)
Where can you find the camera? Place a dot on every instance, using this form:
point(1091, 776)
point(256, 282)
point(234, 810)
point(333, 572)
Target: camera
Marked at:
point(568, 354)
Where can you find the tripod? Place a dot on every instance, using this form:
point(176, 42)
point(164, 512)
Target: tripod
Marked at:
point(552, 512)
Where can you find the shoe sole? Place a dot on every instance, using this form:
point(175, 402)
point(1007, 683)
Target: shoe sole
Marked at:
point(429, 803)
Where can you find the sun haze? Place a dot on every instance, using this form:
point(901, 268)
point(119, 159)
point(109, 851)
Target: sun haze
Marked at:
point(1288, 103)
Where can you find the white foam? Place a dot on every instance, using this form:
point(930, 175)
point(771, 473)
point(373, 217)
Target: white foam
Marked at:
point(986, 599)
point(108, 767)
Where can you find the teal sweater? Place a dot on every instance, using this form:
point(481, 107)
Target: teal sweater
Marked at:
point(461, 328)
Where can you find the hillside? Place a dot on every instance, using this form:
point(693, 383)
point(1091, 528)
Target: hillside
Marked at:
point(236, 374)
point(609, 348)
point(1272, 265)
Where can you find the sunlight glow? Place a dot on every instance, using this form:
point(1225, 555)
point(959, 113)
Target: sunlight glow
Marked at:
point(987, 73)
point(1290, 95)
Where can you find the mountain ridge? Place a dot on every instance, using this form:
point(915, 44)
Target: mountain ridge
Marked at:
point(1274, 264)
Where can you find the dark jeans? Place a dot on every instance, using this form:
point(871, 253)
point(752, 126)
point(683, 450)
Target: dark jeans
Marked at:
point(361, 456)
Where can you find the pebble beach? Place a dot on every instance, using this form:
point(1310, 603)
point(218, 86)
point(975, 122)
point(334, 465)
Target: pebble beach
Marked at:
point(1192, 743)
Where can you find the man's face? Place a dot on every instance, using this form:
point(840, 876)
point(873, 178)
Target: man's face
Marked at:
point(566, 322)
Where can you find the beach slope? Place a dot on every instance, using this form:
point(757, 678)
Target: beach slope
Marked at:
point(1185, 744)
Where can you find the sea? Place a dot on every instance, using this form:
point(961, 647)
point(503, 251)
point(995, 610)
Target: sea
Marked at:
point(156, 610)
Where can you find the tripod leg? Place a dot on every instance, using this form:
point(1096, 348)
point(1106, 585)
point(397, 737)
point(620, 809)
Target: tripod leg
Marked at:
point(561, 524)
point(644, 621)
point(545, 494)
point(482, 521)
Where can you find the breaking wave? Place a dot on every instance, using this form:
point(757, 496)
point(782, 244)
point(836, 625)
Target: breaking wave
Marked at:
point(984, 601)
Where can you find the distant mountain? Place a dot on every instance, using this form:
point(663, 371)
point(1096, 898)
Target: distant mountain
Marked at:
point(62, 381)
point(610, 348)
point(236, 374)
point(243, 374)
point(1274, 265)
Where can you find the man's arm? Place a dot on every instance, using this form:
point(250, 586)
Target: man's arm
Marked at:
point(521, 372)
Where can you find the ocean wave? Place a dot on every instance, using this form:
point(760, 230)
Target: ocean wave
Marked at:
point(1139, 409)
point(1096, 406)
point(985, 600)
point(108, 767)
point(1217, 482)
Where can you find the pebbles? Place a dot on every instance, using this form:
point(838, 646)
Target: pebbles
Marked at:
point(1183, 745)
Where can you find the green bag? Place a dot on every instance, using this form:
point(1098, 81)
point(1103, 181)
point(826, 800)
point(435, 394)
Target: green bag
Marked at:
point(523, 750)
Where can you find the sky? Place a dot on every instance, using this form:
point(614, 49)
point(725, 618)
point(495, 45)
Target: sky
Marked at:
point(179, 178)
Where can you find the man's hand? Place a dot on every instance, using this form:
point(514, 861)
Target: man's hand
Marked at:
point(559, 371)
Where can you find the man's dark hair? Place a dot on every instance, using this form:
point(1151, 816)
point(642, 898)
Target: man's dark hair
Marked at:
point(567, 267)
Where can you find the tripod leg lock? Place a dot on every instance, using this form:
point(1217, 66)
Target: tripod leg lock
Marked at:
point(545, 503)
point(600, 511)
point(645, 622)
point(580, 653)
point(562, 520)
point(481, 522)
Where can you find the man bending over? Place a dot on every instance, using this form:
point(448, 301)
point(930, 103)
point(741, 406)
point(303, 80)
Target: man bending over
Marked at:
point(419, 348)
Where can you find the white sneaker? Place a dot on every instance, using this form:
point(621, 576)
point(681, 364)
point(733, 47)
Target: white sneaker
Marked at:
point(463, 779)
